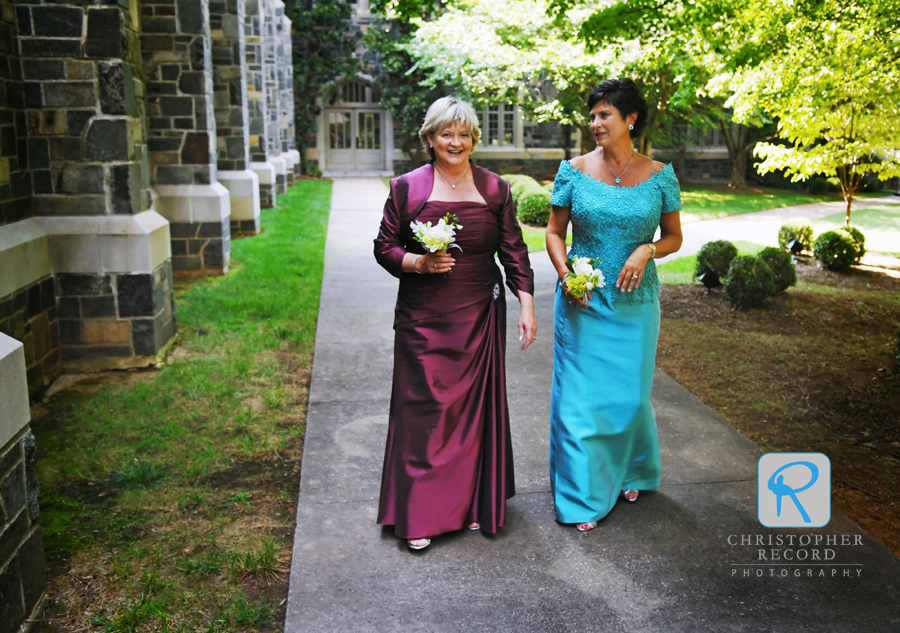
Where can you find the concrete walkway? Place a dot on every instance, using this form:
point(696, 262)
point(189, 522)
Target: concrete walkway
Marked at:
point(662, 564)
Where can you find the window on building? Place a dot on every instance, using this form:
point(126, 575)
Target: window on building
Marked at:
point(498, 125)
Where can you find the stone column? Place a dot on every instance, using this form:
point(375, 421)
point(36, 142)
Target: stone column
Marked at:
point(83, 96)
point(286, 96)
point(274, 10)
point(22, 575)
point(229, 52)
point(255, 22)
point(176, 47)
point(291, 142)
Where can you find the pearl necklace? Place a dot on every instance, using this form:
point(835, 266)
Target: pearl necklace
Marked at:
point(619, 177)
point(452, 186)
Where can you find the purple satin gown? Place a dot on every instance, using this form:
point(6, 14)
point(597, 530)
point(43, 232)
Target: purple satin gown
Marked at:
point(448, 459)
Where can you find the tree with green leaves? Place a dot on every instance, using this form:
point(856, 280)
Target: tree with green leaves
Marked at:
point(510, 51)
point(324, 53)
point(834, 90)
point(825, 72)
point(402, 84)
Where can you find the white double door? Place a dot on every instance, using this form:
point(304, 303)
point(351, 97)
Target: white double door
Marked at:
point(355, 139)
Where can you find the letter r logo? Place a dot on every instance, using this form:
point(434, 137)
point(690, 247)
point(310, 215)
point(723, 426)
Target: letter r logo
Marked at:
point(794, 490)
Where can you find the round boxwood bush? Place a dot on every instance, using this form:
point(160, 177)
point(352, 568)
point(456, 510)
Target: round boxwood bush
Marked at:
point(750, 282)
point(798, 229)
point(779, 261)
point(715, 256)
point(534, 206)
point(859, 240)
point(519, 184)
point(835, 249)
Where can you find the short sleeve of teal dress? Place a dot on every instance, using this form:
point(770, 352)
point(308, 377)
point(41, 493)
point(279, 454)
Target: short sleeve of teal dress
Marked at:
point(603, 430)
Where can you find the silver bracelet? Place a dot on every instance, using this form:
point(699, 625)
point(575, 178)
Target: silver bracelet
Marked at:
point(414, 264)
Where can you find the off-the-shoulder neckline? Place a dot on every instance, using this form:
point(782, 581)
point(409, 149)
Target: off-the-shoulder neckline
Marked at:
point(600, 182)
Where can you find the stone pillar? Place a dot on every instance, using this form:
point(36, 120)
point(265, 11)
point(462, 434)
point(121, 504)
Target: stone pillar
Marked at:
point(22, 575)
point(274, 10)
point(229, 52)
point(255, 22)
point(83, 89)
point(176, 47)
point(286, 97)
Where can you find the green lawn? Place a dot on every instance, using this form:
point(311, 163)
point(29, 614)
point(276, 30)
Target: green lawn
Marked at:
point(880, 226)
point(681, 270)
point(174, 489)
point(706, 204)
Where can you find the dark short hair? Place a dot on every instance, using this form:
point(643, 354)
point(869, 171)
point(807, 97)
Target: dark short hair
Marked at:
point(625, 97)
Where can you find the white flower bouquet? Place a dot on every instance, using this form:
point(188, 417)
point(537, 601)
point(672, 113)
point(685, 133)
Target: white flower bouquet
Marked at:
point(583, 277)
point(439, 237)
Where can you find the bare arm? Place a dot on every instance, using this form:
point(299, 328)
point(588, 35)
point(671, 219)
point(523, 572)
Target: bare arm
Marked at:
point(669, 242)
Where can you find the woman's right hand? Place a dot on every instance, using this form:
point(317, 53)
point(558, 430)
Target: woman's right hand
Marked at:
point(433, 263)
point(573, 300)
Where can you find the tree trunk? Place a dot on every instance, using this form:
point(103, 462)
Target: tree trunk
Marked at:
point(738, 152)
point(644, 146)
point(849, 186)
point(587, 139)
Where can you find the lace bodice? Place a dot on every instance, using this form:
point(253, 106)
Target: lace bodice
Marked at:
point(609, 222)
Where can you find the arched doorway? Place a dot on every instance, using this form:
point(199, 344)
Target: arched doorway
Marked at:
point(358, 138)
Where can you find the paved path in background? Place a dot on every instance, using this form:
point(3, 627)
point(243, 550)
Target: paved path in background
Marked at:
point(762, 227)
point(663, 564)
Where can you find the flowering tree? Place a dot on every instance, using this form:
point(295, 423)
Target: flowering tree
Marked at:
point(510, 50)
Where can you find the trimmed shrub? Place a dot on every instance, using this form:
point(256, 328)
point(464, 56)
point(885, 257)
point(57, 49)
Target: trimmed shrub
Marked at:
point(716, 256)
point(519, 183)
point(859, 240)
point(798, 229)
point(750, 282)
point(836, 250)
point(534, 206)
point(549, 187)
point(782, 266)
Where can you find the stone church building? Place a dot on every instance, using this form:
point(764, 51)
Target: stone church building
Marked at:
point(136, 138)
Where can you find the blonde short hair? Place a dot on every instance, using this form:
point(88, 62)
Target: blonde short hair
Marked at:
point(445, 112)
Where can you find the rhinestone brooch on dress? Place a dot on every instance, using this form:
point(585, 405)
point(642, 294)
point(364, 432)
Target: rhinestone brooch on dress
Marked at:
point(496, 291)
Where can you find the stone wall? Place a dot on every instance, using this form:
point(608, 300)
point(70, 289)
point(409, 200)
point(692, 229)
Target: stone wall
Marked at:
point(21, 547)
point(30, 316)
point(255, 20)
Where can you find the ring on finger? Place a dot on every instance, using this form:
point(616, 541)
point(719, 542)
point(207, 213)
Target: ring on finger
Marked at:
point(634, 275)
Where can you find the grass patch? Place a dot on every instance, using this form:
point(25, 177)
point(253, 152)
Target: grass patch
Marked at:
point(880, 226)
point(681, 270)
point(167, 496)
point(700, 204)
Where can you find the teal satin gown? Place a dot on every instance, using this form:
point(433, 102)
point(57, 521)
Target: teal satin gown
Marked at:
point(602, 426)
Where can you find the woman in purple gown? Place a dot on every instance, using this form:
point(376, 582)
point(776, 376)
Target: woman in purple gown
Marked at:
point(448, 460)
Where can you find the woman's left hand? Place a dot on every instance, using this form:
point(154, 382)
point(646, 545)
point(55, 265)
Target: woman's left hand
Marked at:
point(527, 322)
point(633, 271)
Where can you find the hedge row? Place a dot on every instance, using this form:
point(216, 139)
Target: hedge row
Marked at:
point(532, 200)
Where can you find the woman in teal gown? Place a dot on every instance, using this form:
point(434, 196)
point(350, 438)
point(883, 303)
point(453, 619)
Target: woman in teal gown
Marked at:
point(603, 438)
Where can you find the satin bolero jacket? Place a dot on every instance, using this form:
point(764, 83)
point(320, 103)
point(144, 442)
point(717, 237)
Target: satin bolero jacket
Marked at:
point(409, 193)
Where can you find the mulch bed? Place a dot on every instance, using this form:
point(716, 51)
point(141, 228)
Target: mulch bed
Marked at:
point(813, 370)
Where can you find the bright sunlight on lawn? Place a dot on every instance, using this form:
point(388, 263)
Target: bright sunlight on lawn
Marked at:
point(167, 496)
point(880, 226)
